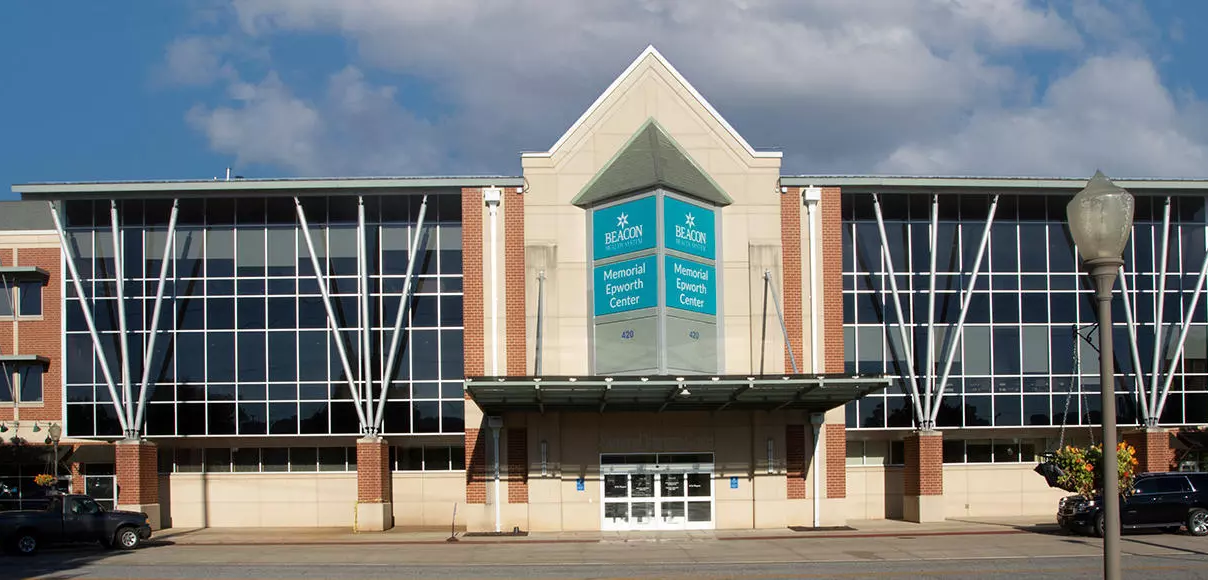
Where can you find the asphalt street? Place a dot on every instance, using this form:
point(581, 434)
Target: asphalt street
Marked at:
point(1030, 555)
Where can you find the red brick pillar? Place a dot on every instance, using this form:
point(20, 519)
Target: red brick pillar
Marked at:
point(923, 477)
point(836, 460)
point(375, 508)
point(1154, 453)
point(77, 479)
point(476, 466)
point(137, 478)
point(794, 461)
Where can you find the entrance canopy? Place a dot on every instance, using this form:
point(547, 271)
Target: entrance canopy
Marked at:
point(814, 393)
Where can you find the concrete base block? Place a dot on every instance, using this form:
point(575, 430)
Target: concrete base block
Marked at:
point(374, 517)
point(151, 509)
point(832, 512)
point(922, 509)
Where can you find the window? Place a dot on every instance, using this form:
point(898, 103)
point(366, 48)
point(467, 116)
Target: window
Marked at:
point(430, 458)
point(6, 384)
point(7, 301)
point(30, 384)
point(1162, 485)
point(29, 298)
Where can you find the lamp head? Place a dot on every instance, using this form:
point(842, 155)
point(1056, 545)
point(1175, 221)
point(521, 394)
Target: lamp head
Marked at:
point(1100, 218)
point(55, 431)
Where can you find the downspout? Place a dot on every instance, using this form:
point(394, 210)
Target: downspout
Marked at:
point(812, 197)
point(492, 196)
point(817, 419)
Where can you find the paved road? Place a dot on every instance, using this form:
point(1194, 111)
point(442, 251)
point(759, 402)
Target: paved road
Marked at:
point(1148, 556)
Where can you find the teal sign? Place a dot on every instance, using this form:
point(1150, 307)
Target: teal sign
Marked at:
point(626, 285)
point(624, 228)
point(690, 286)
point(689, 228)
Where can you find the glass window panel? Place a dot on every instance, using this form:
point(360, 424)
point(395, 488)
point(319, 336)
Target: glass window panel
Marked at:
point(1006, 452)
point(220, 418)
point(1006, 350)
point(412, 459)
point(30, 298)
point(1036, 410)
point(977, 350)
point(1036, 349)
point(283, 418)
point(31, 384)
point(217, 460)
point(424, 349)
point(395, 244)
point(979, 451)
point(1003, 247)
point(1006, 307)
point(1007, 410)
point(452, 354)
point(1033, 247)
point(855, 455)
point(344, 418)
point(246, 460)
point(281, 252)
point(978, 411)
point(332, 459)
point(250, 312)
point(397, 417)
point(253, 418)
point(220, 314)
point(191, 367)
point(342, 251)
point(453, 416)
point(979, 308)
point(436, 458)
point(312, 356)
point(870, 349)
point(303, 459)
point(282, 359)
point(954, 451)
point(220, 356)
point(872, 412)
point(275, 459)
point(899, 413)
point(1035, 307)
point(189, 460)
point(426, 416)
point(251, 356)
point(313, 417)
point(251, 252)
point(220, 253)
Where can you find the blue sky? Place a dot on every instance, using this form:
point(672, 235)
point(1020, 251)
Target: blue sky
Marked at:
point(171, 90)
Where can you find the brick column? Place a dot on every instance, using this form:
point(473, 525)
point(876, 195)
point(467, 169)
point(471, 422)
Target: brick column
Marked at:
point(836, 460)
point(138, 478)
point(476, 466)
point(375, 508)
point(923, 477)
point(77, 479)
point(1154, 453)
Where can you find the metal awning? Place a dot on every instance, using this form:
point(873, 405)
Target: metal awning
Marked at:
point(24, 359)
point(815, 393)
point(20, 273)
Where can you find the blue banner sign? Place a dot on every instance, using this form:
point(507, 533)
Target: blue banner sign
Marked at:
point(624, 228)
point(688, 228)
point(690, 286)
point(626, 285)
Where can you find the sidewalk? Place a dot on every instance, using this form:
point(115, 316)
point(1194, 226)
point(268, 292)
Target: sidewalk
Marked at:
point(854, 529)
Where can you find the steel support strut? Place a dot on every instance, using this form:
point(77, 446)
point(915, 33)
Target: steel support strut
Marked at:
point(1159, 304)
point(929, 382)
point(164, 262)
point(404, 304)
point(907, 342)
point(332, 322)
point(119, 271)
point(1178, 349)
point(1138, 374)
point(955, 339)
point(788, 343)
point(363, 305)
point(87, 311)
point(539, 347)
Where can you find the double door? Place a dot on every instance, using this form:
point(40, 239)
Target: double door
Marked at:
point(656, 497)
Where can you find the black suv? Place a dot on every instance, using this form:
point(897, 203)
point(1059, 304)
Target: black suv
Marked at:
point(1160, 500)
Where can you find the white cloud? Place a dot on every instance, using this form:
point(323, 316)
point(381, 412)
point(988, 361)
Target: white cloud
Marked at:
point(1112, 113)
point(839, 85)
point(355, 128)
point(197, 61)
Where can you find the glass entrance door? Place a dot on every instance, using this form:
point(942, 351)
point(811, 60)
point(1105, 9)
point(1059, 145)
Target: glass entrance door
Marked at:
point(667, 492)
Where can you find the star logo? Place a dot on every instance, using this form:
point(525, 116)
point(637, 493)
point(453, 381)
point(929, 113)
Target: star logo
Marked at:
point(623, 220)
point(690, 220)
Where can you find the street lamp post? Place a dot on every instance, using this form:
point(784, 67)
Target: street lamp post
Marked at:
point(55, 432)
point(1100, 219)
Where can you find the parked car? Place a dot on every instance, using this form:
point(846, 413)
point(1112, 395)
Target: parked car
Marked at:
point(72, 518)
point(1167, 501)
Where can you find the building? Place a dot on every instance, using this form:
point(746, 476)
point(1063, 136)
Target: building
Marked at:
point(650, 328)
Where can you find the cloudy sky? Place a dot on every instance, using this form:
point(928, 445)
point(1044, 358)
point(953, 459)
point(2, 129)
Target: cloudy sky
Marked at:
point(420, 87)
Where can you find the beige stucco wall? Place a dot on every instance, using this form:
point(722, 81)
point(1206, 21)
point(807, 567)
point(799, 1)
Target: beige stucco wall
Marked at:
point(302, 499)
point(556, 231)
point(874, 492)
point(574, 442)
point(998, 490)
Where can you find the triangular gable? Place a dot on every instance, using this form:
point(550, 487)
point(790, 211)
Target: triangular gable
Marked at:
point(651, 158)
point(652, 52)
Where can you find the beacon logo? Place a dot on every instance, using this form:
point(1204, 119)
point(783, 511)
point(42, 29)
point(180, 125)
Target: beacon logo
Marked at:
point(688, 233)
point(623, 232)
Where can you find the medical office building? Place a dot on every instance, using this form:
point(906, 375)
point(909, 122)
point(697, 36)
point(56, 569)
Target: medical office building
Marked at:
point(650, 328)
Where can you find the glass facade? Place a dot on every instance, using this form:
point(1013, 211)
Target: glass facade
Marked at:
point(1028, 356)
point(244, 345)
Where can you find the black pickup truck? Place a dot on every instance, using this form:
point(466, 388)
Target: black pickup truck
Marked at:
point(72, 518)
point(1167, 501)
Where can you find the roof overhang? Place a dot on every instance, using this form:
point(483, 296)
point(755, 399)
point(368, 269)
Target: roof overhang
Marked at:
point(814, 393)
point(237, 187)
point(24, 359)
point(888, 183)
point(23, 273)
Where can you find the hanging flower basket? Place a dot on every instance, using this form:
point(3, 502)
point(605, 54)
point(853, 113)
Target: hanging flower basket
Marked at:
point(1077, 469)
point(45, 480)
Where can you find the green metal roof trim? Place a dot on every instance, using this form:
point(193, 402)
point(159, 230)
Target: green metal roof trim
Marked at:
point(651, 158)
point(942, 182)
point(693, 393)
point(23, 273)
point(42, 190)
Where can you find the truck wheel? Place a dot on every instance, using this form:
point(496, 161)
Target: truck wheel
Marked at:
point(127, 538)
point(25, 543)
point(1099, 528)
point(1197, 522)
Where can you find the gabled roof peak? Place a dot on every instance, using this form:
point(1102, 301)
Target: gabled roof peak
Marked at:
point(652, 53)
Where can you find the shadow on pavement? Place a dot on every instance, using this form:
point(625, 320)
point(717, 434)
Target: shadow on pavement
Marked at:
point(61, 562)
point(1165, 546)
